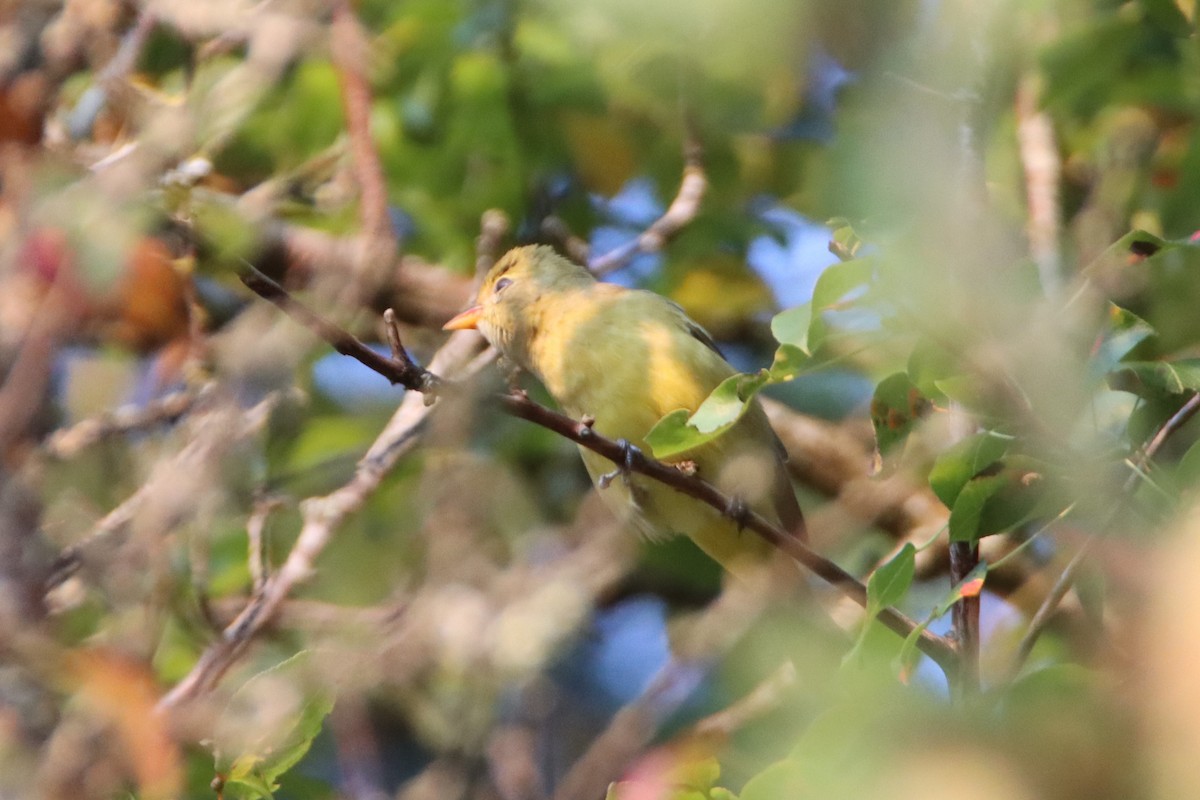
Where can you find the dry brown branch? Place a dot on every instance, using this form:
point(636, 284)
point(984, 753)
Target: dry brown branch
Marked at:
point(493, 227)
point(349, 45)
point(215, 432)
point(29, 375)
point(404, 372)
point(420, 293)
point(256, 553)
point(556, 230)
point(321, 518)
point(69, 442)
point(964, 626)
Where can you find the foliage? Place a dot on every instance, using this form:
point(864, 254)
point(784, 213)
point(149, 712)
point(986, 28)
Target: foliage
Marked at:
point(952, 245)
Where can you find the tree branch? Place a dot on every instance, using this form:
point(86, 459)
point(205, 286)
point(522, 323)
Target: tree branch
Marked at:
point(683, 209)
point(519, 405)
point(404, 371)
point(321, 515)
point(349, 47)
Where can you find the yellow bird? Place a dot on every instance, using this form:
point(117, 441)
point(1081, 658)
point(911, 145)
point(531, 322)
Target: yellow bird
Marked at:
point(627, 358)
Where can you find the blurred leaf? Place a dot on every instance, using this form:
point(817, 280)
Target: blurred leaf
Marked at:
point(895, 409)
point(790, 327)
point(889, 583)
point(964, 461)
point(1125, 331)
point(1157, 378)
point(1167, 15)
point(845, 242)
point(270, 752)
point(887, 586)
point(1187, 473)
point(834, 291)
point(929, 365)
point(784, 778)
point(600, 150)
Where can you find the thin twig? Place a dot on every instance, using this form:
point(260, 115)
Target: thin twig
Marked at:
point(559, 233)
point(519, 405)
point(493, 227)
point(215, 434)
point(256, 551)
point(683, 209)
point(168, 409)
point(322, 515)
point(1066, 580)
point(349, 48)
point(403, 371)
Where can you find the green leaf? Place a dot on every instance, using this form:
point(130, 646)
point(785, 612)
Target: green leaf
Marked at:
point(967, 513)
point(995, 503)
point(1157, 378)
point(964, 461)
point(896, 407)
point(727, 402)
point(680, 431)
point(886, 586)
point(889, 583)
point(845, 241)
point(929, 364)
point(967, 391)
point(1125, 331)
point(1167, 15)
point(672, 434)
point(789, 362)
point(906, 659)
point(836, 284)
point(791, 326)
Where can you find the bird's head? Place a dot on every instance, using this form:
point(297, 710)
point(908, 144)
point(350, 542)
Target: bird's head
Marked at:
point(514, 293)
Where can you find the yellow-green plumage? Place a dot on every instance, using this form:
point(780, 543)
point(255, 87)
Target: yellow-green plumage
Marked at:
point(627, 358)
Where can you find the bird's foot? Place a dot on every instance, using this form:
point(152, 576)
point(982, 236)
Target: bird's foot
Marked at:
point(687, 467)
point(631, 456)
point(737, 510)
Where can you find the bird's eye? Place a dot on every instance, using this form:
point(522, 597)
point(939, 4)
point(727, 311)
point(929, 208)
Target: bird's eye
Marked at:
point(502, 284)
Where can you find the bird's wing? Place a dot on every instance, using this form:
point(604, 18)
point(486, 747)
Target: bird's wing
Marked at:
point(693, 329)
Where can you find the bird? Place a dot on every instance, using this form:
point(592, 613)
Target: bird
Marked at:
point(625, 358)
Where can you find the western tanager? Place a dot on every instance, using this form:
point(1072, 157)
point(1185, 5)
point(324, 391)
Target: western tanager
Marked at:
point(626, 358)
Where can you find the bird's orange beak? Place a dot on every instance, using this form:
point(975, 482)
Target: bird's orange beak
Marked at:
point(466, 321)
